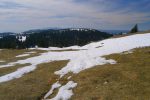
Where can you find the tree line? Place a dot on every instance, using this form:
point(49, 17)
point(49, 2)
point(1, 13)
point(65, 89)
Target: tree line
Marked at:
point(53, 38)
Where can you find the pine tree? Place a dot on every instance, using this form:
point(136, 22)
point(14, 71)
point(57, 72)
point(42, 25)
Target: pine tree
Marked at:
point(134, 29)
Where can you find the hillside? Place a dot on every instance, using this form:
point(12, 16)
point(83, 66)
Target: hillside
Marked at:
point(53, 38)
point(112, 69)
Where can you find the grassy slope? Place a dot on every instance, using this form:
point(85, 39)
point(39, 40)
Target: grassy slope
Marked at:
point(10, 56)
point(7, 70)
point(31, 86)
point(129, 79)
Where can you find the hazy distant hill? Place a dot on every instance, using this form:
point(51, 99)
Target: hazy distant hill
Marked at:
point(6, 34)
point(115, 31)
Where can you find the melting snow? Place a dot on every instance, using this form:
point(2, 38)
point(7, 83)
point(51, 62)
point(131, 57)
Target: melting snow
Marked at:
point(54, 86)
point(128, 52)
point(65, 92)
point(30, 52)
point(57, 48)
point(23, 55)
point(69, 77)
point(1, 61)
point(82, 59)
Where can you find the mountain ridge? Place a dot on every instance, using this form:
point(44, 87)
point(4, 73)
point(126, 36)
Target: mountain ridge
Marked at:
point(53, 37)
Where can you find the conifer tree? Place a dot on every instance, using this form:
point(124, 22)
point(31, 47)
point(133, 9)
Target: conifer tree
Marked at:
point(134, 29)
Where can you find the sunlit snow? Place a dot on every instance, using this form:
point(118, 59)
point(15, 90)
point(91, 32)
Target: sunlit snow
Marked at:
point(86, 57)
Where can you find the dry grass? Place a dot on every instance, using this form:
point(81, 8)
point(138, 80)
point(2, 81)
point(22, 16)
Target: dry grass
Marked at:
point(10, 55)
point(129, 79)
point(31, 86)
point(7, 70)
point(6, 54)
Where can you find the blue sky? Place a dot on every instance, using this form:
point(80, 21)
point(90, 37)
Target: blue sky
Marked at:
point(21, 15)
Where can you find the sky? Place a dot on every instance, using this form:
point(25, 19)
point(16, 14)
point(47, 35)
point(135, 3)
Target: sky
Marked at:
point(22, 15)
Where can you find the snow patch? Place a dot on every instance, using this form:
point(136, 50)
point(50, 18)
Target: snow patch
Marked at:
point(1, 61)
point(127, 52)
point(69, 77)
point(57, 48)
point(30, 52)
point(65, 92)
point(82, 59)
point(54, 86)
point(82, 63)
point(17, 74)
point(23, 55)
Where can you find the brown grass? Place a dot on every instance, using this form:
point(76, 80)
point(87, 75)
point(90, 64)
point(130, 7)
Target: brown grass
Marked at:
point(32, 86)
point(129, 79)
point(7, 70)
point(10, 55)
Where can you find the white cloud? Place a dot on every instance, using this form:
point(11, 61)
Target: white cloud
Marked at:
point(65, 13)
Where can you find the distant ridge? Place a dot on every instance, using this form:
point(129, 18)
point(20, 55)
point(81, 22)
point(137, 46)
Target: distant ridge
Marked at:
point(115, 31)
point(53, 38)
